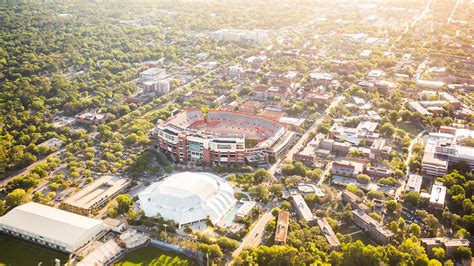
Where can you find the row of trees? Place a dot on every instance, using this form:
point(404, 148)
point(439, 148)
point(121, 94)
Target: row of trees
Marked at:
point(409, 252)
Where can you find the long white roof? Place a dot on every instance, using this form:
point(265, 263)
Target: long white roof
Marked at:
point(52, 224)
point(188, 197)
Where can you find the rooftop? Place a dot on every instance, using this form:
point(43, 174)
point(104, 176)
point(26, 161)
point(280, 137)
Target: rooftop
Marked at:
point(328, 233)
point(414, 183)
point(282, 226)
point(303, 209)
point(52, 224)
point(100, 189)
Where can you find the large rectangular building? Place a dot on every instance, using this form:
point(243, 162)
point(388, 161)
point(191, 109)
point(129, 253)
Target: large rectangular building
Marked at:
point(302, 209)
point(355, 201)
point(449, 244)
point(414, 183)
point(50, 227)
point(328, 233)
point(446, 148)
point(438, 195)
point(282, 227)
point(95, 195)
point(377, 231)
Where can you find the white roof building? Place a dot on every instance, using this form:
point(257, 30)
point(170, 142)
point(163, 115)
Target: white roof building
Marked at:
point(438, 195)
point(188, 197)
point(51, 227)
point(414, 183)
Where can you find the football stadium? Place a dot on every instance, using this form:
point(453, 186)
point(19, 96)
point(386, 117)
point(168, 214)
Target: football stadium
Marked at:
point(223, 137)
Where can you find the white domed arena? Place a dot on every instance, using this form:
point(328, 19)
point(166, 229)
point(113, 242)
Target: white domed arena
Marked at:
point(188, 197)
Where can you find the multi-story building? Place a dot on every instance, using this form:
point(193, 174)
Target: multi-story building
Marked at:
point(347, 168)
point(377, 231)
point(414, 183)
point(222, 137)
point(302, 209)
point(446, 148)
point(380, 149)
point(91, 118)
point(377, 172)
point(355, 201)
point(241, 36)
point(450, 245)
point(154, 80)
point(151, 75)
point(317, 78)
point(365, 130)
point(438, 195)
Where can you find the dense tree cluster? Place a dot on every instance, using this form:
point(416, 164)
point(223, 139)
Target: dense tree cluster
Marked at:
point(409, 252)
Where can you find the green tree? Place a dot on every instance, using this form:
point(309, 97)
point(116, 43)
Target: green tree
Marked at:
point(412, 197)
point(124, 201)
point(363, 178)
point(357, 254)
point(262, 175)
point(387, 130)
point(463, 253)
point(276, 190)
point(16, 197)
point(439, 253)
point(414, 229)
point(3, 207)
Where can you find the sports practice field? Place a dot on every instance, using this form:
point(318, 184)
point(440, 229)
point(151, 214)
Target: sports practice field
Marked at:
point(154, 256)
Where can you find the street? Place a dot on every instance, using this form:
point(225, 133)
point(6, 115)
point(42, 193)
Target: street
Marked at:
point(297, 147)
point(254, 237)
point(28, 169)
point(401, 188)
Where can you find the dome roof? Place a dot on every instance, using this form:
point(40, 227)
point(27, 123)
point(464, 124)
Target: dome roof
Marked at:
point(188, 197)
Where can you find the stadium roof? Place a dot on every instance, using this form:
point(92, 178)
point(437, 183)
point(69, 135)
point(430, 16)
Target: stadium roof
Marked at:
point(52, 224)
point(188, 197)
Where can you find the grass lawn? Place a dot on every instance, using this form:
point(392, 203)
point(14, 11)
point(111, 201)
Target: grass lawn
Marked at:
point(410, 128)
point(154, 256)
point(364, 237)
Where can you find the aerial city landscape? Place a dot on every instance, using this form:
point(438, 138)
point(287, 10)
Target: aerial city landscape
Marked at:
point(219, 132)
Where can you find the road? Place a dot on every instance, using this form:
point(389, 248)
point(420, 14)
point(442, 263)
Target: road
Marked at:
point(408, 27)
point(254, 237)
point(28, 169)
point(296, 148)
point(325, 174)
point(401, 188)
point(452, 12)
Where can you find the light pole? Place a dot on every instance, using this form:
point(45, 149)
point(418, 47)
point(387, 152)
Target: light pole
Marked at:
point(165, 225)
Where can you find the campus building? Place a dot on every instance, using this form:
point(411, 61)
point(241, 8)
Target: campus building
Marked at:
point(414, 183)
point(282, 227)
point(438, 195)
point(377, 231)
point(302, 209)
point(96, 195)
point(51, 227)
point(446, 148)
point(328, 233)
point(188, 197)
point(222, 137)
point(450, 245)
point(355, 201)
point(154, 80)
